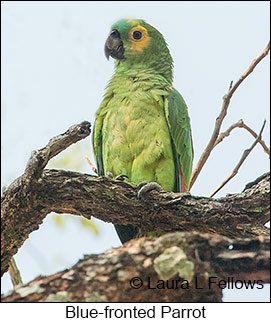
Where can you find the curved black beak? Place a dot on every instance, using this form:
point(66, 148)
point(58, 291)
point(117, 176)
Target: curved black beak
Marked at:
point(114, 46)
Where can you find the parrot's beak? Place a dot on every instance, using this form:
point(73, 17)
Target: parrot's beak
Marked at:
point(114, 46)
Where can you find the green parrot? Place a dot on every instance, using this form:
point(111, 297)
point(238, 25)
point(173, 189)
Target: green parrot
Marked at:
point(142, 128)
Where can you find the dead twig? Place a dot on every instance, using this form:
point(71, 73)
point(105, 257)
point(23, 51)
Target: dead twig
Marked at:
point(40, 158)
point(241, 161)
point(14, 273)
point(266, 149)
point(226, 101)
point(93, 168)
point(241, 124)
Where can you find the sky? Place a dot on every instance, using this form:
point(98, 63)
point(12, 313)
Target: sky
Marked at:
point(54, 73)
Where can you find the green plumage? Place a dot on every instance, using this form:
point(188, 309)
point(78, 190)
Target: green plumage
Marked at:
point(142, 127)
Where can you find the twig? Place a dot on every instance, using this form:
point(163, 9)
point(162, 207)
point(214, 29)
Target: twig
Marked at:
point(241, 124)
point(220, 118)
point(226, 133)
point(266, 149)
point(247, 259)
point(241, 161)
point(93, 168)
point(41, 157)
point(14, 273)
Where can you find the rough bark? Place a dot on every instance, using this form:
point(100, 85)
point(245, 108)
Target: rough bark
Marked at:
point(180, 267)
point(25, 206)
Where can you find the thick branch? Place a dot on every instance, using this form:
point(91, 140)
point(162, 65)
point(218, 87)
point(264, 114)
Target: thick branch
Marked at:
point(170, 268)
point(66, 192)
point(117, 202)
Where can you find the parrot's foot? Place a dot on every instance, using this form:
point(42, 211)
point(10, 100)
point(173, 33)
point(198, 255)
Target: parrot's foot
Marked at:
point(121, 177)
point(145, 187)
point(186, 194)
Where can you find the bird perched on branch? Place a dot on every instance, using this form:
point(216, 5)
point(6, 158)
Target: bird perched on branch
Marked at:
point(142, 128)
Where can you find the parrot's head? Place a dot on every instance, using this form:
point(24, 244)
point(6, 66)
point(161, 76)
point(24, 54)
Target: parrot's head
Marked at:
point(134, 44)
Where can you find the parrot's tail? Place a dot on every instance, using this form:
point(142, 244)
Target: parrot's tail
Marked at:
point(126, 232)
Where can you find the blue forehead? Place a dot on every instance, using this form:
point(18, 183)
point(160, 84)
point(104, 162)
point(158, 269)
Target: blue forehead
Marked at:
point(124, 25)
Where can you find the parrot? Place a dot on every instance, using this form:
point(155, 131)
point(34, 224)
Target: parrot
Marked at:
point(142, 128)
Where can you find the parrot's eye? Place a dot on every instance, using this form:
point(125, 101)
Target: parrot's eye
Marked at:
point(137, 35)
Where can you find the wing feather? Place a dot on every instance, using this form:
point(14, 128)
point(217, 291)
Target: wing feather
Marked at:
point(180, 130)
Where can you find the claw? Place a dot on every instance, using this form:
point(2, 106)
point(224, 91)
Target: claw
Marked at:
point(140, 185)
point(121, 177)
point(147, 187)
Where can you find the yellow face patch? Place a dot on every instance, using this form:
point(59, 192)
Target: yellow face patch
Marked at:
point(131, 21)
point(139, 38)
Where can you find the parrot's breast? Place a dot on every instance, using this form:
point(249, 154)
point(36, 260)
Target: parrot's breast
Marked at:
point(136, 140)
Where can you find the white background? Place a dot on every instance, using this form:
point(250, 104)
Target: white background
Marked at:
point(54, 73)
point(57, 312)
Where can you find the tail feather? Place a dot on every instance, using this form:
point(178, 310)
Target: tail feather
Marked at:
point(184, 188)
point(126, 232)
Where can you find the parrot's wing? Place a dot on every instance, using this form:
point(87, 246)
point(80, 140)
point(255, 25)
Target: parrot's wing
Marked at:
point(179, 126)
point(97, 144)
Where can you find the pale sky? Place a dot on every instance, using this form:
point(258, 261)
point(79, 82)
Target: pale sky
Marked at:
point(54, 73)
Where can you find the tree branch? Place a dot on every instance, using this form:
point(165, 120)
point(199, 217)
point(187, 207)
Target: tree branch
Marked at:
point(66, 192)
point(184, 263)
point(14, 273)
point(241, 124)
point(20, 197)
point(220, 118)
point(40, 158)
point(241, 161)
